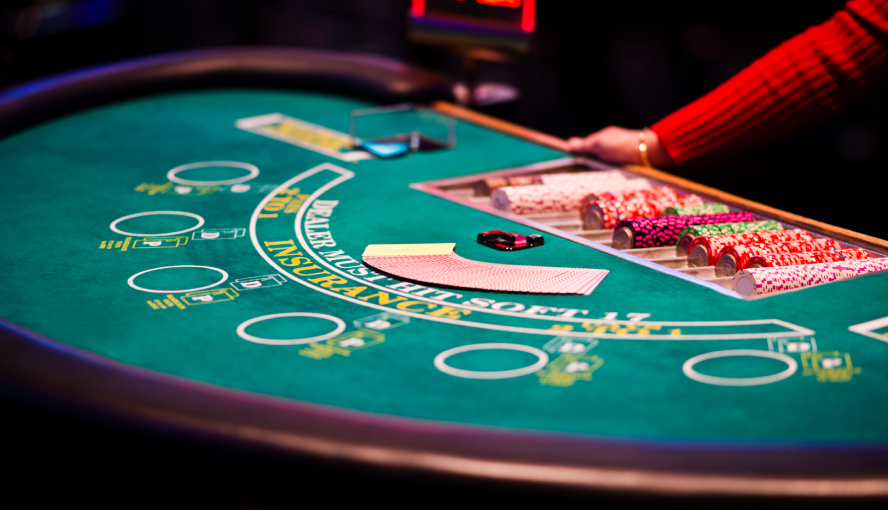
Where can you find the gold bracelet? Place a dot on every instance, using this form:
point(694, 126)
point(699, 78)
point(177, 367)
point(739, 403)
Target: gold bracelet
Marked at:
point(643, 148)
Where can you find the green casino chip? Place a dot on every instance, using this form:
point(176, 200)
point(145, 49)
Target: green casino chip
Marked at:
point(694, 210)
point(730, 228)
point(689, 233)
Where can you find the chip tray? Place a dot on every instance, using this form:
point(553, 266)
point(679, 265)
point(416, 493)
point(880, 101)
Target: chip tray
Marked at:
point(468, 191)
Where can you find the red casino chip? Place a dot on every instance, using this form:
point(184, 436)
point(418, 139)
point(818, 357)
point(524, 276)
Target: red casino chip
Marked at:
point(800, 259)
point(606, 214)
point(704, 250)
point(538, 199)
point(736, 258)
point(655, 193)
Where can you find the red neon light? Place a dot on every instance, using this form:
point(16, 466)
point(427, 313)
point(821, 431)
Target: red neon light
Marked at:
point(527, 16)
point(503, 3)
point(528, 23)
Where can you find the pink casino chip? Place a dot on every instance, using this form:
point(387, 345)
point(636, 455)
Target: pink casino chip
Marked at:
point(767, 280)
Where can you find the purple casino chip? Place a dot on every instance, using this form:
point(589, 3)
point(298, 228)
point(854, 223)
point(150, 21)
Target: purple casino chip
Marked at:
point(664, 231)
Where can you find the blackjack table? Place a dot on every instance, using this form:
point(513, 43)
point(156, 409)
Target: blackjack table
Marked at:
point(184, 251)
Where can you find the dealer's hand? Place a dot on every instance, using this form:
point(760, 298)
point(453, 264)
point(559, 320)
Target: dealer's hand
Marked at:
point(618, 145)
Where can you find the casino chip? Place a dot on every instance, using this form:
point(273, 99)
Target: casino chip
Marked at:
point(504, 241)
point(608, 177)
point(798, 259)
point(766, 280)
point(737, 258)
point(665, 230)
point(687, 236)
point(537, 199)
point(610, 208)
point(697, 209)
point(705, 250)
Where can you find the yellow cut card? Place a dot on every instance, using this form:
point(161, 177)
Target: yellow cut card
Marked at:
point(391, 250)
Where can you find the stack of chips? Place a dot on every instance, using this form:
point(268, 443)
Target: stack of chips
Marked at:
point(654, 193)
point(799, 259)
point(556, 198)
point(632, 194)
point(581, 177)
point(704, 250)
point(765, 280)
point(488, 186)
point(692, 232)
point(606, 214)
point(664, 231)
point(736, 258)
point(729, 228)
point(697, 209)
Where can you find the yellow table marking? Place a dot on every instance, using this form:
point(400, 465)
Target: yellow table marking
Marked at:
point(567, 369)
point(343, 344)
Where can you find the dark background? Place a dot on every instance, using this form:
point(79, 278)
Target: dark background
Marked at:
point(592, 64)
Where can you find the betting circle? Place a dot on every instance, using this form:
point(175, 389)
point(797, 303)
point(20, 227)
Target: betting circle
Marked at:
point(252, 169)
point(200, 222)
point(440, 361)
point(688, 368)
point(132, 280)
point(242, 329)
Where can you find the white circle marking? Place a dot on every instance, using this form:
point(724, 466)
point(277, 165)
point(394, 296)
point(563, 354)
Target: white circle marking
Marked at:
point(200, 222)
point(242, 329)
point(132, 280)
point(252, 169)
point(688, 368)
point(440, 361)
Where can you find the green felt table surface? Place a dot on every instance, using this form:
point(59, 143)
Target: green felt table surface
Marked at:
point(66, 274)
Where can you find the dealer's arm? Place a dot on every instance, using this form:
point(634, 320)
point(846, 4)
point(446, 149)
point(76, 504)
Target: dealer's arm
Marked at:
point(825, 69)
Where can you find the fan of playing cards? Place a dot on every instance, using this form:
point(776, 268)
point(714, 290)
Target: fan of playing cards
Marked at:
point(437, 264)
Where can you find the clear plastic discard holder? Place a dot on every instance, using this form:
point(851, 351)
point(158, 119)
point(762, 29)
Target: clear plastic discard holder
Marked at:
point(436, 130)
point(399, 129)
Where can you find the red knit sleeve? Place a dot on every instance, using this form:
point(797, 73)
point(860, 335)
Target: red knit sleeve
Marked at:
point(801, 82)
